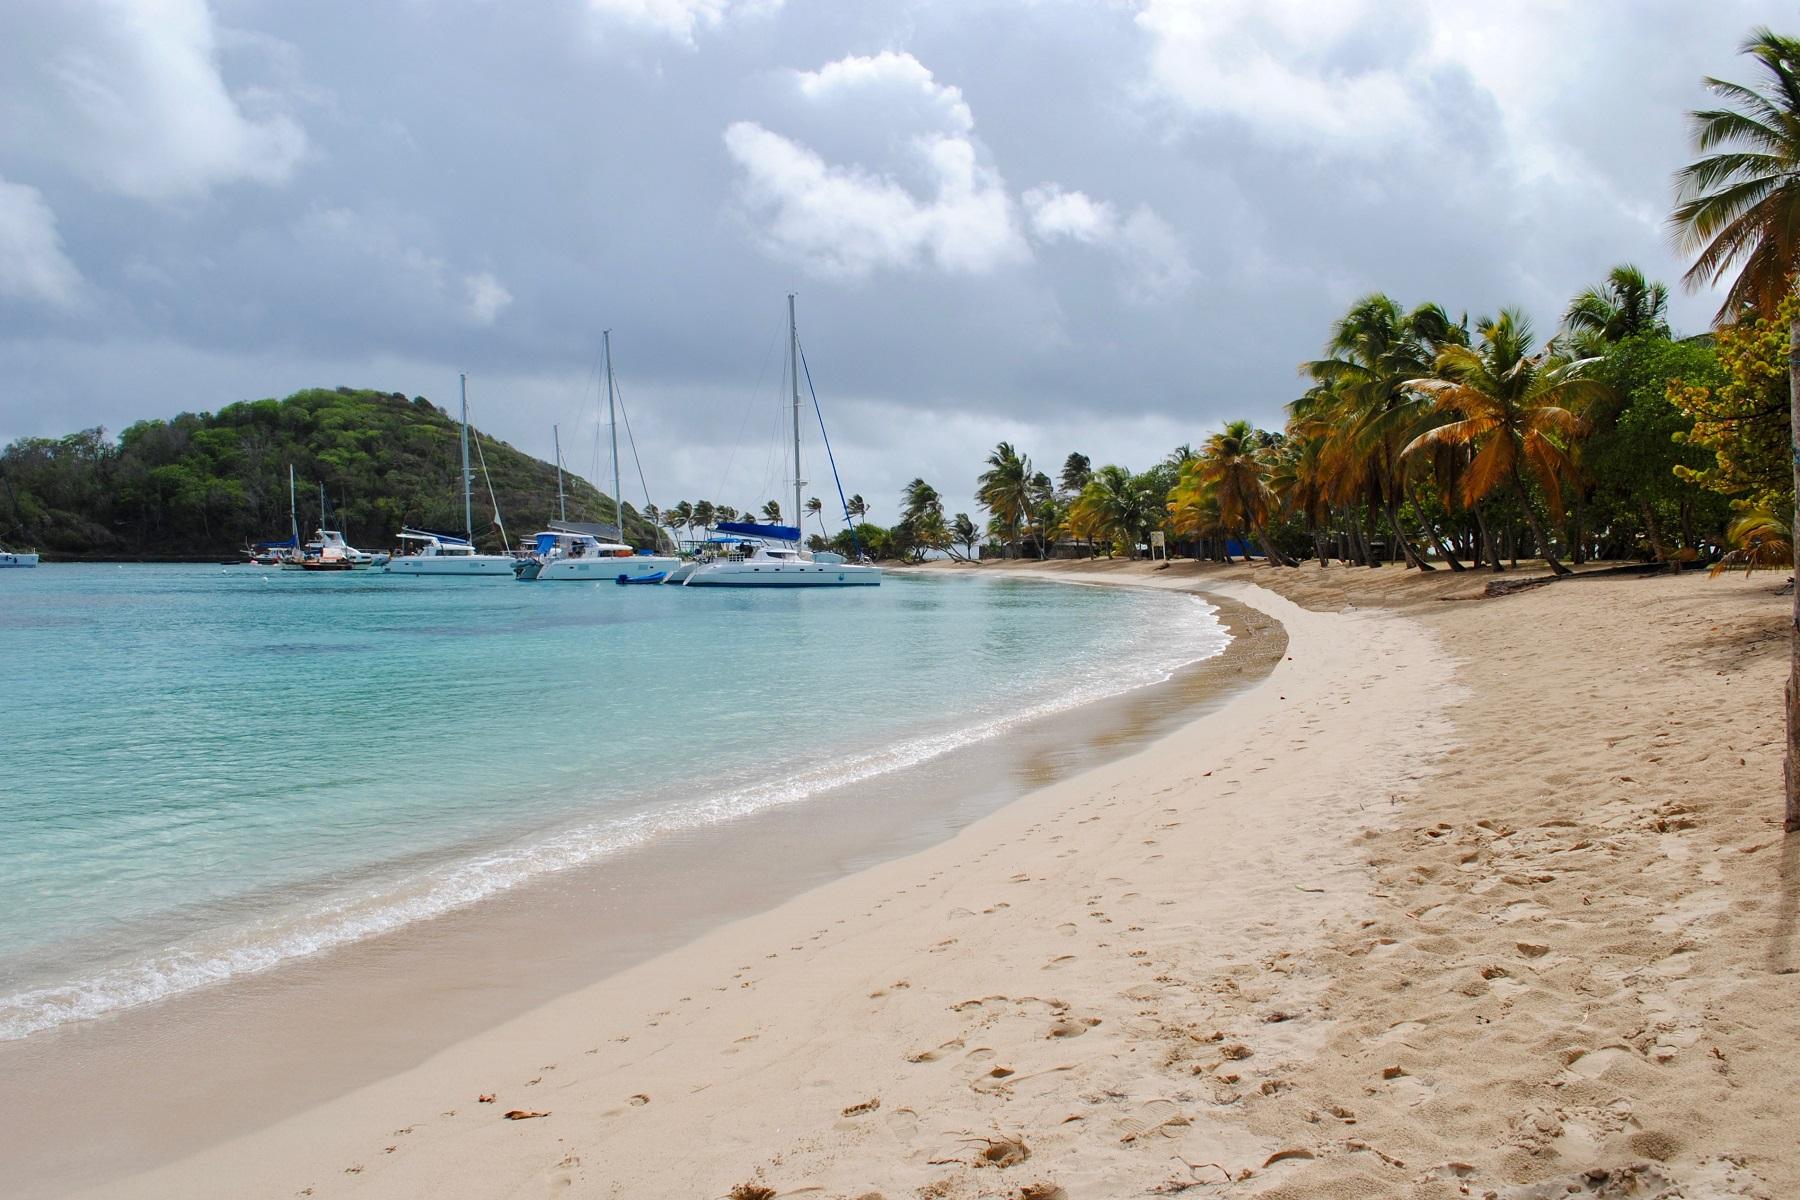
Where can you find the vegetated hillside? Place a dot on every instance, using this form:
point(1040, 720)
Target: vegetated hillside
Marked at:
point(203, 484)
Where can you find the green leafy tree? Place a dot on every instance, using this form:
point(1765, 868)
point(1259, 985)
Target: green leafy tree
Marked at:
point(1738, 210)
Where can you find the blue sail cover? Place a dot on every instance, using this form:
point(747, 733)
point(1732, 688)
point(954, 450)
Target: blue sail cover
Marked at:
point(774, 533)
point(284, 544)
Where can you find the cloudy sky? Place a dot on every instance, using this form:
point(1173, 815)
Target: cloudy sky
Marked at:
point(1103, 225)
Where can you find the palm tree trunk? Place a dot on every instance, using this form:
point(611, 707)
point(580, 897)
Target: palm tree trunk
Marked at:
point(1657, 548)
point(1413, 557)
point(1791, 761)
point(1537, 530)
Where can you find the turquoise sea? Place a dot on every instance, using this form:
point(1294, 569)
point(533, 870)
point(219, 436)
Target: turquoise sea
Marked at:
point(207, 771)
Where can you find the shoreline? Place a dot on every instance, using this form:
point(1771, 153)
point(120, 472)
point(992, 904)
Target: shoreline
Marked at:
point(408, 979)
point(1513, 924)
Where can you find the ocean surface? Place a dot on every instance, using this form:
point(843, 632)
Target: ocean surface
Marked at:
point(206, 771)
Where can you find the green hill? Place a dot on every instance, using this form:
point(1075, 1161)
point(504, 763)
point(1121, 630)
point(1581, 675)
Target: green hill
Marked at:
point(203, 484)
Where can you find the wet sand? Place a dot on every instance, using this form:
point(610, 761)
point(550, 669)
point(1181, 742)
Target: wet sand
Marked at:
point(256, 1051)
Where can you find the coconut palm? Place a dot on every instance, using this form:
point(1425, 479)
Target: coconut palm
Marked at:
point(857, 507)
point(964, 533)
point(1006, 490)
point(681, 516)
point(1076, 470)
point(1361, 400)
point(1117, 505)
point(1738, 208)
point(771, 512)
point(724, 512)
point(1625, 305)
point(815, 507)
point(1518, 412)
point(705, 514)
point(1232, 467)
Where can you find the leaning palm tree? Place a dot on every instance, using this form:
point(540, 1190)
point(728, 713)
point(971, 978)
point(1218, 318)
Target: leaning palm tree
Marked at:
point(815, 507)
point(1738, 207)
point(1519, 413)
point(857, 507)
point(771, 512)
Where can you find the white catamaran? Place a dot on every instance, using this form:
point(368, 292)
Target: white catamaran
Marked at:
point(772, 555)
point(17, 558)
point(440, 554)
point(572, 553)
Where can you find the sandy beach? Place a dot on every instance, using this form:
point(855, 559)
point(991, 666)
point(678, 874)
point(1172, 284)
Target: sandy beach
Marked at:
point(1466, 897)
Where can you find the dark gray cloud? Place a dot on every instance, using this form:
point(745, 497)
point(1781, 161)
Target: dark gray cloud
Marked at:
point(1077, 224)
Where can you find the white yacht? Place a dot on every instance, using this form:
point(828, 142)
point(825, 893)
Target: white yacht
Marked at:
point(17, 558)
point(441, 554)
point(329, 543)
point(772, 556)
point(560, 554)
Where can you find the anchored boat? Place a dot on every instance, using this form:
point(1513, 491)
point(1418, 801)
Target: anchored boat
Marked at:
point(773, 556)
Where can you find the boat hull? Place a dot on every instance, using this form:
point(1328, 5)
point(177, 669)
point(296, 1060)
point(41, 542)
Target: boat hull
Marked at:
point(639, 568)
point(784, 575)
point(18, 560)
point(466, 566)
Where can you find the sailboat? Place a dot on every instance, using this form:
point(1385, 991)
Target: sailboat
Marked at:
point(17, 558)
point(575, 553)
point(772, 555)
point(441, 553)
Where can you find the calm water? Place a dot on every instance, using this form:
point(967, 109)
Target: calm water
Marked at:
point(205, 771)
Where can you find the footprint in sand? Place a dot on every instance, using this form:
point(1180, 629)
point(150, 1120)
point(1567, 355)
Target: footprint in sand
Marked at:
point(1068, 929)
point(936, 1052)
point(1067, 1028)
point(1056, 963)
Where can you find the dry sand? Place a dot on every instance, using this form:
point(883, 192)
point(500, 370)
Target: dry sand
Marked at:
point(1467, 898)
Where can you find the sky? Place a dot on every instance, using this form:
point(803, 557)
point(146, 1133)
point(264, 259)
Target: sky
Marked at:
point(1105, 226)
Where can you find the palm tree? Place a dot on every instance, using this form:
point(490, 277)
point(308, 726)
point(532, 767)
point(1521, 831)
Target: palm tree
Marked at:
point(681, 516)
point(1362, 400)
point(771, 512)
point(1076, 470)
point(1519, 413)
point(724, 512)
point(857, 507)
point(1625, 305)
point(1739, 207)
point(965, 534)
point(705, 514)
point(815, 507)
point(1117, 505)
point(1005, 490)
point(1231, 467)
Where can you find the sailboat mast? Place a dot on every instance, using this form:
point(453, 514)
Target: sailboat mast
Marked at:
point(468, 479)
point(612, 419)
point(293, 509)
point(794, 374)
point(561, 507)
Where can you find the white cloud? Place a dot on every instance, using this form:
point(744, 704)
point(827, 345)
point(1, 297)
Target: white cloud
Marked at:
point(682, 19)
point(853, 219)
point(1057, 214)
point(487, 296)
point(897, 73)
point(33, 266)
point(1153, 263)
point(847, 221)
point(128, 94)
point(1275, 64)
